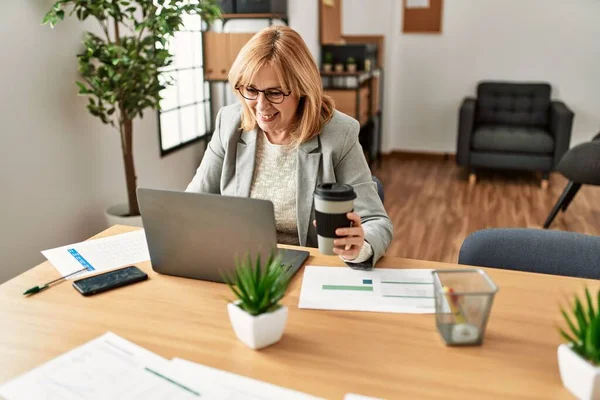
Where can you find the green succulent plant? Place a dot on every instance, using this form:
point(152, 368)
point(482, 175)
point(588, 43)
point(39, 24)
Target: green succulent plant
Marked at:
point(350, 60)
point(328, 58)
point(584, 327)
point(258, 287)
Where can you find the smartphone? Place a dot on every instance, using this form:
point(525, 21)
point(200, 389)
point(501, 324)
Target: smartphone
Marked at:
point(109, 280)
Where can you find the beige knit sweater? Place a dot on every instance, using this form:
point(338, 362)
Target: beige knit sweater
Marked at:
point(274, 179)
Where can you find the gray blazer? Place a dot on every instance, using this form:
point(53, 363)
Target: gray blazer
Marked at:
point(334, 155)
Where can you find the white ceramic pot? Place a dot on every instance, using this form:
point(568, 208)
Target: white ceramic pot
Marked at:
point(258, 331)
point(580, 377)
point(116, 215)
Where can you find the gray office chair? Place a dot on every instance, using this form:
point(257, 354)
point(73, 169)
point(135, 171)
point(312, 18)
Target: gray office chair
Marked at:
point(533, 250)
point(379, 187)
point(581, 166)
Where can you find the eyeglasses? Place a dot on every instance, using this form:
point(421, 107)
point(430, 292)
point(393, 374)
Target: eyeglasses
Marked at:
point(274, 96)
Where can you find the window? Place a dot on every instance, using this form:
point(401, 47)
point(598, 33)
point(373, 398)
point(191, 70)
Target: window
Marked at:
point(185, 105)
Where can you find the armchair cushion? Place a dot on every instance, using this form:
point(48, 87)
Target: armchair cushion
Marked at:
point(505, 103)
point(512, 139)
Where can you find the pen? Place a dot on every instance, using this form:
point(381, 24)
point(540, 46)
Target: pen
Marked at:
point(36, 289)
point(454, 306)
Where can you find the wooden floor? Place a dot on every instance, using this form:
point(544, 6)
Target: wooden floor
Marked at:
point(434, 209)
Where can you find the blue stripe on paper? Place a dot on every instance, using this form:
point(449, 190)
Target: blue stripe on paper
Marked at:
point(81, 260)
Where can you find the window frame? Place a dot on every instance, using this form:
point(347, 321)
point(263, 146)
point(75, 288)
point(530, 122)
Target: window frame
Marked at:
point(205, 102)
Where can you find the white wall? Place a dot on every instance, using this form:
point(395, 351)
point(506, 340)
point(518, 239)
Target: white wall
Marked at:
point(61, 167)
point(428, 75)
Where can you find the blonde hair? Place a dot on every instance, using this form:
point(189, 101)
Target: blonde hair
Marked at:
point(282, 48)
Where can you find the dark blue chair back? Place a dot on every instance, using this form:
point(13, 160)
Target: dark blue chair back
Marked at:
point(533, 250)
point(379, 187)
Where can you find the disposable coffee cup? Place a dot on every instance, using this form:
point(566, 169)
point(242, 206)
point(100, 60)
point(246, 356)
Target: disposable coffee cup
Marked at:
point(332, 202)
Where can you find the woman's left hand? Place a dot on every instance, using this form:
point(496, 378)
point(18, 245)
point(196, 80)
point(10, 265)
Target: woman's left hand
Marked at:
point(353, 240)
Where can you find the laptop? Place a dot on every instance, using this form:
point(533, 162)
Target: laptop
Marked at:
point(199, 236)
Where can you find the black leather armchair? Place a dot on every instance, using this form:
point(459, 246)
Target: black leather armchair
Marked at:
point(513, 126)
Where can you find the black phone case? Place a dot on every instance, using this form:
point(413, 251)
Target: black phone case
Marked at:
point(113, 286)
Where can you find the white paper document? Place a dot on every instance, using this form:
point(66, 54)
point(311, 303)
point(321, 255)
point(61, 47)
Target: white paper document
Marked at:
point(99, 254)
point(379, 290)
point(216, 384)
point(108, 367)
point(417, 4)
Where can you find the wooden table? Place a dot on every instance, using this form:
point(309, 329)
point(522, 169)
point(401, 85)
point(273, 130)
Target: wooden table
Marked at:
point(325, 353)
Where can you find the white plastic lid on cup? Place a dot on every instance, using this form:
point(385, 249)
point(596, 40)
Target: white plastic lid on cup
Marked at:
point(335, 192)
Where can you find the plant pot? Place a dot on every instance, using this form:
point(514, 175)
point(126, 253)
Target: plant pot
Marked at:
point(339, 67)
point(258, 331)
point(327, 67)
point(351, 68)
point(117, 215)
point(580, 377)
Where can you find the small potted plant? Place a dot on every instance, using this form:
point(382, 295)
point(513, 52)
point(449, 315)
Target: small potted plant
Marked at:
point(339, 67)
point(579, 358)
point(327, 62)
point(257, 318)
point(351, 64)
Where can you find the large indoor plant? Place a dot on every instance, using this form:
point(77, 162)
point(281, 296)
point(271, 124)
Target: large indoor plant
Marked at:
point(120, 67)
point(257, 318)
point(579, 358)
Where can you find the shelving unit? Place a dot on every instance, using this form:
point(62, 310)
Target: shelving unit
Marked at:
point(353, 93)
point(221, 48)
point(269, 16)
point(358, 94)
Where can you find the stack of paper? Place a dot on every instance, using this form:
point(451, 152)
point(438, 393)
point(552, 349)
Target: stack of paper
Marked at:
point(222, 385)
point(382, 290)
point(100, 254)
point(111, 367)
point(108, 367)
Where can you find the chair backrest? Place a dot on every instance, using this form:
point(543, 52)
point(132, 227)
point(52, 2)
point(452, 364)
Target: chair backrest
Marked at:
point(508, 103)
point(533, 250)
point(581, 164)
point(379, 187)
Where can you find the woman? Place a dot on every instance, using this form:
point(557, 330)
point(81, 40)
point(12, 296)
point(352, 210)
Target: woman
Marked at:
point(285, 138)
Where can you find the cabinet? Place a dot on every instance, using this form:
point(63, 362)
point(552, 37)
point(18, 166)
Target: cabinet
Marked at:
point(220, 51)
point(359, 96)
point(353, 102)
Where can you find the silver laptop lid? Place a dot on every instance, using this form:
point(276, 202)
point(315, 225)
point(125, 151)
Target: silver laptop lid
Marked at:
point(199, 235)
